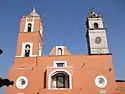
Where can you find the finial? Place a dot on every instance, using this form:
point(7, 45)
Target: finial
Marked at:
point(33, 13)
point(92, 10)
point(92, 13)
point(34, 9)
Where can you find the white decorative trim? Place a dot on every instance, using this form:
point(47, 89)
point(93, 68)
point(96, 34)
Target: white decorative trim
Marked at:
point(97, 81)
point(33, 55)
point(62, 70)
point(30, 56)
point(23, 48)
point(59, 89)
point(25, 29)
point(18, 56)
point(18, 83)
point(56, 62)
point(57, 47)
point(33, 25)
point(26, 24)
point(61, 67)
point(40, 50)
point(41, 29)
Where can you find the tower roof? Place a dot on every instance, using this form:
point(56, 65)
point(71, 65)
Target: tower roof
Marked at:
point(33, 13)
point(92, 14)
point(63, 49)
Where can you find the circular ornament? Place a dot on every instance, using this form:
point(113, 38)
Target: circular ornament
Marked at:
point(101, 81)
point(21, 82)
point(98, 40)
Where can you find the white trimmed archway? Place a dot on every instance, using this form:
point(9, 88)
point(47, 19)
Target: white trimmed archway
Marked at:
point(63, 71)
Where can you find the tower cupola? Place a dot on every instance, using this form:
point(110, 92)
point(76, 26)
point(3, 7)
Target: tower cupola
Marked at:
point(33, 13)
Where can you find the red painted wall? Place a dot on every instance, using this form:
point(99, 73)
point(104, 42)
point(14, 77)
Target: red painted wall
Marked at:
point(83, 68)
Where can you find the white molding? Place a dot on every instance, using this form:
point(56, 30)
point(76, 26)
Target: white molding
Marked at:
point(60, 67)
point(18, 56)
point(33, 55)
point(41, 29)
point(26, 24)
point(56, 62)
point(32, 25)
point(18, 82)
point(62, 70)
point(25, 29)
point(23, 48)
point(40, 50)
point(97, 81)
point(59, 89)
point(30, 56)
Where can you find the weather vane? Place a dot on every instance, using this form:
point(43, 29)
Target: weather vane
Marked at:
point(92, 10)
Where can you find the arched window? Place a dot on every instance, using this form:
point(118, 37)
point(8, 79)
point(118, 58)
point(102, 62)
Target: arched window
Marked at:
point(59, 51)
point(60, 79)
point(29, 27)
point(27, 50)
point(96, 25)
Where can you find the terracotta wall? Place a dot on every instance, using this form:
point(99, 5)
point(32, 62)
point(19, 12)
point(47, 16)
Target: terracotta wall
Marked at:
point(120, 87)
point(84, 69)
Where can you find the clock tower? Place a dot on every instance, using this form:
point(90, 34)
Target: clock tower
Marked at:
point(96, 34)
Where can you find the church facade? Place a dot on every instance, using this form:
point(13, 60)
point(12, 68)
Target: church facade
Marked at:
point(61, 72)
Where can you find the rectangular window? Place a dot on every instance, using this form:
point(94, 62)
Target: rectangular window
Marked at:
point(60, 64)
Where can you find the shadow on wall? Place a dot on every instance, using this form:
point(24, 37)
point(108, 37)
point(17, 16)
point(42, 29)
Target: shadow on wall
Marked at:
point(44, 79)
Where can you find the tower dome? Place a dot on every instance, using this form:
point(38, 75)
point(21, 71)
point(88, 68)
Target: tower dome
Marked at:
point(33, 13)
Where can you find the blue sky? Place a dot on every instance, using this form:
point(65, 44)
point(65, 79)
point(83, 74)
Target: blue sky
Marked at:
point(64, 24)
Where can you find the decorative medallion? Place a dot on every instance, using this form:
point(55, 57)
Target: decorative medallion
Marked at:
point(98, 40)
point(101, 81)
point(21, 82)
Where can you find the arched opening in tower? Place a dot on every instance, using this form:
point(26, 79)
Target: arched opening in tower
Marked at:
point(59, 51)
point(27, 50)
point(29, 27)
point(96, 25)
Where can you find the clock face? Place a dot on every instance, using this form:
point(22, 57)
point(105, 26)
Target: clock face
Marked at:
point(98, 40)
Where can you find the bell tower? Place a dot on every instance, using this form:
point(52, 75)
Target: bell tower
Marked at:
point(96, 34)
point(30, 38)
